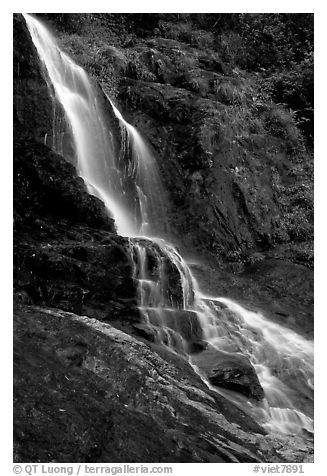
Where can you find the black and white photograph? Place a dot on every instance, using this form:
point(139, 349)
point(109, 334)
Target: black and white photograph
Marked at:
point(163, 237)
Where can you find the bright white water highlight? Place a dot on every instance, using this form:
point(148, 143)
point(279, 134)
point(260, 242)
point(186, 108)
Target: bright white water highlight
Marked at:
point(143, 169)
point(283, 360)
point(181, 316)
point(172, 306)
point(128, 183)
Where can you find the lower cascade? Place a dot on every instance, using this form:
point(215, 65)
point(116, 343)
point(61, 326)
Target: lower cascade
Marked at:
point(262, 367)
point(213, 330)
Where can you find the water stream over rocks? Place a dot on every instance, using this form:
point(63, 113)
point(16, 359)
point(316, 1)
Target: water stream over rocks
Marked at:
point(263, 367)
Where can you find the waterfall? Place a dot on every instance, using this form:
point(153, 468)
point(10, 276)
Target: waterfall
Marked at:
point(173, 308)
point(150, 192)
point(283, 360)
point(184, 319)
point(105, 175)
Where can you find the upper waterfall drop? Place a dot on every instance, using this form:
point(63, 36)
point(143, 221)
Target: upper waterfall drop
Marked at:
point(106, 174)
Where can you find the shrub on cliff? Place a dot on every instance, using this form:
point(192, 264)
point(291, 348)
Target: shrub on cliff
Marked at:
point(294, 87)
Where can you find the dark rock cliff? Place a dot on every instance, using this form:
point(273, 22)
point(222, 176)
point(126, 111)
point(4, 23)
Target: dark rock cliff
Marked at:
point(67, 252)
point(33, 108)
point(235, 165)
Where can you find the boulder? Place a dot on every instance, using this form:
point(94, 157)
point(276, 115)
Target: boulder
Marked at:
point(231, 371)
point(237, 373)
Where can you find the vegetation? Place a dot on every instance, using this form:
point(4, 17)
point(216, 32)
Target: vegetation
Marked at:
point(278, 46)
point(229, 92)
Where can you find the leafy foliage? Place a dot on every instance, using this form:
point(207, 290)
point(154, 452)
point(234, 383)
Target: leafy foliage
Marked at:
point(274, 41)
point(294, 87)
point(280, 46)
point(296, 202)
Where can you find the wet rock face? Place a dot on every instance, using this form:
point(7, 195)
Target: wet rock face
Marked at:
point(236, 373)
point(207, 121)
point(230, 371)
point(160, 269)
point(213, 179)
point(47, 185)
point(181, 326)
point(84, 277)
point(77, 376)
point(32, 102)
point(35, 106)
point(67, 253)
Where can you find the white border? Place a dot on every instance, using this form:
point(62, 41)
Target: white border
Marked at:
point(277, 6)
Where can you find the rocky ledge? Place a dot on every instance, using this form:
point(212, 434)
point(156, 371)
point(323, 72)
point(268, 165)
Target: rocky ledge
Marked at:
point(86, 391)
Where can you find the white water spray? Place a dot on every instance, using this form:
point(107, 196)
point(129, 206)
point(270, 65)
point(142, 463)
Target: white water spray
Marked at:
point(144, 171)
point(97, 162)
point(169, 297)
point(283, 360)
point(182, 316)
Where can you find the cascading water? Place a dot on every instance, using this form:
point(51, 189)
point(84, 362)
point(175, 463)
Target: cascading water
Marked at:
point(166, 294)
point(182, 316)
point(128, 186)
point(282, 359)
point(172, 306)
point(143, 169)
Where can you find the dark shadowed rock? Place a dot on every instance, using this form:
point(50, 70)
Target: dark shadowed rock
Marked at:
point(46, 184)
point(280, 288)
point(66, 253)
point(236, 373)
point(35, 105)
point(230, 371)
point(33, 114)
point(196, 346)
point(145, 331)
